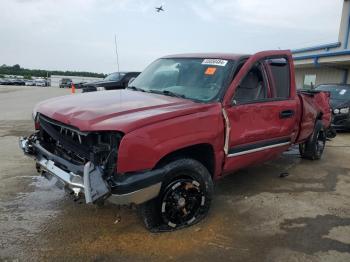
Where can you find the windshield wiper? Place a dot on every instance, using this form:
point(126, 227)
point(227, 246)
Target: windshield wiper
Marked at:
point(136, 88)
point(167, 93)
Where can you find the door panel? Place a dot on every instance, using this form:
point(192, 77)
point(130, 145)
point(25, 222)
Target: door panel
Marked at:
point(258, 127)
point(259, 130)
point(260, 121)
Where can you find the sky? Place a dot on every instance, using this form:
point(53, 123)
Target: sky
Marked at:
point(79, 34)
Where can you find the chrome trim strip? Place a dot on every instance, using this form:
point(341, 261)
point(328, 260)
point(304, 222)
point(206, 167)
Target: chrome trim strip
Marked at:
point(258, 149)
point(137, 197)
point(227, 131)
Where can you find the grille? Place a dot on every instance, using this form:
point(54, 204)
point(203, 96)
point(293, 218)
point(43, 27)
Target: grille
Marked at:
point(340, 119)
point(65, 137)
point(78, 147)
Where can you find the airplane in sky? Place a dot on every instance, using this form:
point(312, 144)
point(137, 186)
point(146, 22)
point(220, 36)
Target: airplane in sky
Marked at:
point(158, 9)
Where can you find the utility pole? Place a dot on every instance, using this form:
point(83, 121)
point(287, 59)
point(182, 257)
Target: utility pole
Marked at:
point(116, 51)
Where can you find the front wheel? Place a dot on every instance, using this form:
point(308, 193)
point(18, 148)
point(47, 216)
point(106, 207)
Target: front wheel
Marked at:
point(184, 198)
point(313, 148)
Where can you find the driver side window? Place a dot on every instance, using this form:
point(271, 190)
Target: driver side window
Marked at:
point(253, 87)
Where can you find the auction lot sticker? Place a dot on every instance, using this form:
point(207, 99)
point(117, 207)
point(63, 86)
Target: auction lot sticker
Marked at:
point(210, 71)
point(216, 62)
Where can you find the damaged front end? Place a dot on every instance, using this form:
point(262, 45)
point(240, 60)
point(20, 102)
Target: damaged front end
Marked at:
point(83, 163)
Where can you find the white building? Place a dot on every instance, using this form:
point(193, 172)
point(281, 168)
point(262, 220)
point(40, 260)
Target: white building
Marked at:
point(55, 79)
point(328, 63)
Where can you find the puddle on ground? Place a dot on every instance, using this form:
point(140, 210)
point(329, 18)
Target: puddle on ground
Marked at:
point(21, 217)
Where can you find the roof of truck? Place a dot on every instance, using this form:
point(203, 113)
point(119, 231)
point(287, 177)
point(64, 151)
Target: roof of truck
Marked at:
point(227, 56)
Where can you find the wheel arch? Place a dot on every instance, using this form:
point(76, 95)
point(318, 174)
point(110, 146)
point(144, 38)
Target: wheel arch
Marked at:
point(319, 116)
point(203, 153)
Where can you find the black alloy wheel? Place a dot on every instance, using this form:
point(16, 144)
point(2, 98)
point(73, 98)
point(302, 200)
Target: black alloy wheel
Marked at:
point(181, 202)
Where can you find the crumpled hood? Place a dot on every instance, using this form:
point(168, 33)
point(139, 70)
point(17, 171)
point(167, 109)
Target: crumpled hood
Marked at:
point(119, 110)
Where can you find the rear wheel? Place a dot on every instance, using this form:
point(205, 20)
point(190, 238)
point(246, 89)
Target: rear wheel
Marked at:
point(313, 148)
point(184, 198)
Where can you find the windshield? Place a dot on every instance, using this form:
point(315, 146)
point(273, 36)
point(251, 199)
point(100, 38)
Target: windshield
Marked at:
point(193, 78)
point(338, 92)
point(114, 77)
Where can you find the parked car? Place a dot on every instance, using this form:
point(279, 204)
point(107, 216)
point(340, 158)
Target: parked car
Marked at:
point(340, 104)
point(11, 81)
point(111, 82)
point(186, 121)
point(16, 82)
point(65, 83)
point(8, 81)
point(5, 81)
point(30, 83)
point(79, 85)
point(40, 82)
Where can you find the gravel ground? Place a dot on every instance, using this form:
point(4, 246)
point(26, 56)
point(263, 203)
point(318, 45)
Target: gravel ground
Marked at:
point(255, 215)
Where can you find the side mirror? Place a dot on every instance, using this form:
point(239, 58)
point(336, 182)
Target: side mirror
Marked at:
point(131, 80)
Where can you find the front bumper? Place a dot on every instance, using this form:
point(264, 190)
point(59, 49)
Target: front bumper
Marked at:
point(87, 180)
point(341, 121)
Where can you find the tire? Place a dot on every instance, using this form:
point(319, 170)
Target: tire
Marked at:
point(313, 148)
point(184, 198)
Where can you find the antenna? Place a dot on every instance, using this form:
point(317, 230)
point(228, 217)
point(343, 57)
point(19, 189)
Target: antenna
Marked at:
point(116, 51)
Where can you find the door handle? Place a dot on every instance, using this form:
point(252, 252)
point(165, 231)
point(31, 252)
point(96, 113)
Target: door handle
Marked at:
point(287, 113)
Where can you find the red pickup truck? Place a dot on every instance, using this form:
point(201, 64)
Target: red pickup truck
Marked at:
point(184, 122)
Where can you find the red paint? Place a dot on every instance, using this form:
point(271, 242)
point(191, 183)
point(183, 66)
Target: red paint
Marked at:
point(121, 110)
point(156, 125)
point(146, 146)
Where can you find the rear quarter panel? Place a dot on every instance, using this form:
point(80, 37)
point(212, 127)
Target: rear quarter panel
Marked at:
point(311, 106)
point(323, 103)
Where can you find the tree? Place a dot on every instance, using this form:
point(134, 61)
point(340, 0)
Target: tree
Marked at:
point(17, 70)
point(29, 77)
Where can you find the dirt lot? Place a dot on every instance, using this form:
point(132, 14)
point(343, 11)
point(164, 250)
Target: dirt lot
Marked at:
point(255, 216)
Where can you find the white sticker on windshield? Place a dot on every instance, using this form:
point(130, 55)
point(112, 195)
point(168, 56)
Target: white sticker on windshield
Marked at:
point(216, 62)
point(342, 92)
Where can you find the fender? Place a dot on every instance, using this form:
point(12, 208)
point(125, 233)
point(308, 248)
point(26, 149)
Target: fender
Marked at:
point(143, 148)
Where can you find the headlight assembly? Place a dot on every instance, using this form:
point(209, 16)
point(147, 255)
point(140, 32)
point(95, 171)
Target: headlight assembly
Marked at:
point(336, 111)
point(344, 110)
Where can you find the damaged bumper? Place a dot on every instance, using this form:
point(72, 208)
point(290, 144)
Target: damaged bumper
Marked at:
point(88, 179)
